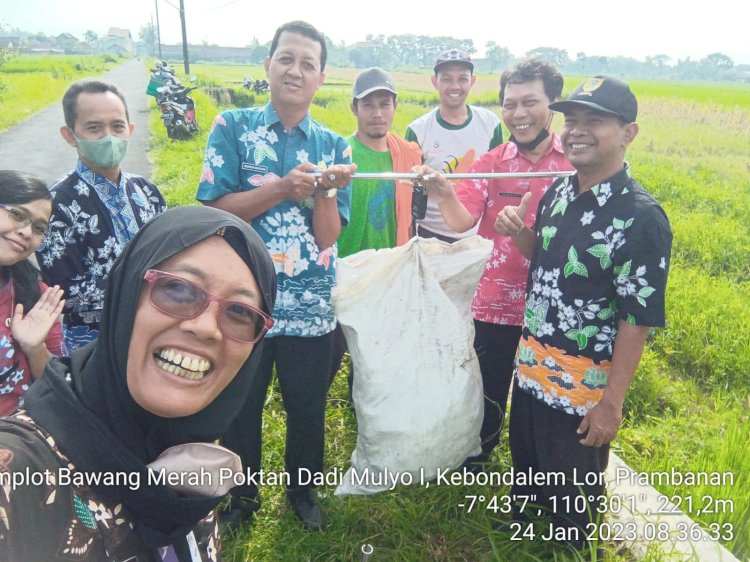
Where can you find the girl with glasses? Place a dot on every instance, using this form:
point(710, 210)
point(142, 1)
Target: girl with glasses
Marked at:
point(127, 424)
point(30, 329)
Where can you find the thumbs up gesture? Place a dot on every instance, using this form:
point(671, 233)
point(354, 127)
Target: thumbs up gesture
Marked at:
point(510, 219)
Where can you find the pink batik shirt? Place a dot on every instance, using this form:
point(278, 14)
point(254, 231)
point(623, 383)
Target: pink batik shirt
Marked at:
point(500, 295)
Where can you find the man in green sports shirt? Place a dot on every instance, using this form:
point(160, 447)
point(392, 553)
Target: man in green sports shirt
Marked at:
point(381, 209)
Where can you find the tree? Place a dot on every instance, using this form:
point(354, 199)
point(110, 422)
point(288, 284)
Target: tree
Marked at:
point(498, 57)
point(556, 57)
point(718, 61)
point(659, 60)
point(258, 52)
point(90, 37)
point(147, 35)
point(581, 60)
point(5, 53)
point(717, 66)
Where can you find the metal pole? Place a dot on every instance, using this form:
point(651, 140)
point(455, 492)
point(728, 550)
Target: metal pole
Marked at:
point(158, 29)
point(184, 38)
point(463, 176)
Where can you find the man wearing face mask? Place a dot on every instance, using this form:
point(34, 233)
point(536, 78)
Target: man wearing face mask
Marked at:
point(526, 90)
point(97, 207)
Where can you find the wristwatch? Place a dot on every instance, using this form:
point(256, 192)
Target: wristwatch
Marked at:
point(326, 193)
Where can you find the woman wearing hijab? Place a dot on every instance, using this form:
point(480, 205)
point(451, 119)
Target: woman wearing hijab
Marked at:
point(84, 470)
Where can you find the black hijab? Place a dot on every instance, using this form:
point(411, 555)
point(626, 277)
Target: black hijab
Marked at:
point(93, 417)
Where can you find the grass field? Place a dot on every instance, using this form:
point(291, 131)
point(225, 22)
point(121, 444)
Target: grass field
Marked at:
point(688, 407)
point(29, 83)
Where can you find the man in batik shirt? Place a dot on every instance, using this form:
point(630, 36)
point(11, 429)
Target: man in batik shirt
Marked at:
point(599, 251)
point(97, 207)
point(258, 166)
point(526, 90)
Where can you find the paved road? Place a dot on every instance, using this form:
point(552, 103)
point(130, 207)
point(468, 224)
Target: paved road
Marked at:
point(36, 146)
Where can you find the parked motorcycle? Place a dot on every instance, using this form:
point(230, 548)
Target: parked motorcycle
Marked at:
point(258, 86)
point(161, 75)
point(177, 111)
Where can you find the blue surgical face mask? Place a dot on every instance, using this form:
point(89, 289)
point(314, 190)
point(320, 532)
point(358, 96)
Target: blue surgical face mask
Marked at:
point(105, 153)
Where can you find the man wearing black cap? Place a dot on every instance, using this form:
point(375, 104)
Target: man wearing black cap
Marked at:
point(381, 209)
point(453, 135)
point(599, 252)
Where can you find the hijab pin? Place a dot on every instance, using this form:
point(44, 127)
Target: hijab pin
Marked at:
point(221, 231)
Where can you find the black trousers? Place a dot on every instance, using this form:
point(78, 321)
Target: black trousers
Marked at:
point(339, 349)
point(495, 345)
point(302, 368)
point(544, 440)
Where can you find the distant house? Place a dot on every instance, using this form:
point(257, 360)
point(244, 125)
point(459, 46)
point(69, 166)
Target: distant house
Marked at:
point(44, 46)
point(118, 41)
point(66, 42)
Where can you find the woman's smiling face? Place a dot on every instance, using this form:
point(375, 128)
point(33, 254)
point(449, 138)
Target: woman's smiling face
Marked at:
point(178, 366)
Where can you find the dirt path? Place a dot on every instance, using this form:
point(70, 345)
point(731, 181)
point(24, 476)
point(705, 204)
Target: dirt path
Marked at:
point(35, 145)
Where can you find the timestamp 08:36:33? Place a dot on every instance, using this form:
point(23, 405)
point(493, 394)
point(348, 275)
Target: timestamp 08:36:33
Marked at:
point(605, 530)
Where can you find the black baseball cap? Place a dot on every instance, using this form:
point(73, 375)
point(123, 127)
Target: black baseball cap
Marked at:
point(372, 80)
point(602, 93)
point(454, 55)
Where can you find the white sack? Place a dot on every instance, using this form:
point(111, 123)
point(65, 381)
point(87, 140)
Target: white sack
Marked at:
point(406, 315)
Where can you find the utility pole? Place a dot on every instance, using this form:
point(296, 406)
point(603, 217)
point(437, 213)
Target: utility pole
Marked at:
point(158, 29)
point(184, 39)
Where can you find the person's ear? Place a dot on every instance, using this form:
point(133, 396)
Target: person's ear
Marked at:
point(131, 127)
point(69, 136)
point(434, 78)
point(473, 79)
point(631, 131)
point(266, 64)
point(353, 107)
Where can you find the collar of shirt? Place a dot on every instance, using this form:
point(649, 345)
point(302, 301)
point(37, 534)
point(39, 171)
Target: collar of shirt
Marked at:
point(602, 192)
point(511, 150)
point(270, 117)
point(101, 184)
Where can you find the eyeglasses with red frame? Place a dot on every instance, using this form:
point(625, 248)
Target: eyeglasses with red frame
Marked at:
point(177, 297)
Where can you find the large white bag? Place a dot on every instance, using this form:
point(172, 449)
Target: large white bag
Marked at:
point(406, 315)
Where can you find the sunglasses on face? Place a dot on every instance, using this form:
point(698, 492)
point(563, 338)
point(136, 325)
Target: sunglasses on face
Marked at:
point(179, 298)
point(22, 219)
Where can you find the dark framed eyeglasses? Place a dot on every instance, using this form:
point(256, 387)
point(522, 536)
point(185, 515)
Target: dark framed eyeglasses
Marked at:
point(22, 219)
point(179, 298)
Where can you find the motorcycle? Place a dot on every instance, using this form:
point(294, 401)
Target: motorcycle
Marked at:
point(161, 75)
point(177, 111)
point(260, 86)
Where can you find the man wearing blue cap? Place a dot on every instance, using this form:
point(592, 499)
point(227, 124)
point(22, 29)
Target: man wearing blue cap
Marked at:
point(599, 252)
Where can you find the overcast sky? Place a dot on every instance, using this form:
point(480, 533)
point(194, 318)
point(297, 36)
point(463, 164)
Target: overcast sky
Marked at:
point(634, 28)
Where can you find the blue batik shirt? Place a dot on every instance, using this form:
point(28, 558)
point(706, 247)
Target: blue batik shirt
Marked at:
point(92, 221)
point(248, 147)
